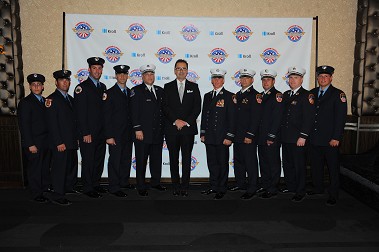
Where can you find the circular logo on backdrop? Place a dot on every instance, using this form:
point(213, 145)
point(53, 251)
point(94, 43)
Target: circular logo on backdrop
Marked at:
point(113, 54)
point(135, 77)
point(164, 146)
point(236, 78)
point(218, 55)
point(242, 33)
point(194, 163)
point(134, 165)
point(295, 33)
point(231, 163)
point(285, 78)
point(83, 30)
point(270, 56)
point(190, 32)
point(165, 55)
point(81, 75)
point(192, 76)
point(136, 31)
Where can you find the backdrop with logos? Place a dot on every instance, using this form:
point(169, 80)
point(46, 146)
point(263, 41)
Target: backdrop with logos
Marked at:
point(205, 43)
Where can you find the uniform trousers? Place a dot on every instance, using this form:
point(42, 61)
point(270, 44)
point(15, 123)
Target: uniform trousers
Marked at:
point(245, 161)
point(294, 167)
point(218, 165)
point(270, 166)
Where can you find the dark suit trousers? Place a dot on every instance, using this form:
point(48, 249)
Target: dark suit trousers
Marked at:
point(154, 152)
point(270, 166)
point(175, 143)
point(218, 165)
point(245, 161)
point(63, 164)
point(38, 171)
point(294, 167)
point(119, 163)
point(320, 154)
point(93, 155)
point(72, 173)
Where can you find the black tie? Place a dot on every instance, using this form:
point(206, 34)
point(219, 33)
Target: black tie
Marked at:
point(213, 94)
point(291, 94)
point(98, 85)
point(321, 93)
point(152, 92)
point(68, 100)
point(124, 91)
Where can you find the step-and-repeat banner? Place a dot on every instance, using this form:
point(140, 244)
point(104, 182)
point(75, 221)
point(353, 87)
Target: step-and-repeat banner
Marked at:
point(228, 43)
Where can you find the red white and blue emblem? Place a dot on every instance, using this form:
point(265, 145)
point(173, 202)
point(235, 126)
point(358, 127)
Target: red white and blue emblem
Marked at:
point(194, 163)
point(270, 56)
point(135, 77)
point(134, 165)
point(81, 75)
point(285, 78)
point(165, 55)
point(231, 163)
point(136, 31)
point(236, 78)
point(164, 146)
point(113, 54)
point(242, 33)
point(294, 33)
point(192, 76)
point(218, 55)
point(190, 32)
point(83, 30)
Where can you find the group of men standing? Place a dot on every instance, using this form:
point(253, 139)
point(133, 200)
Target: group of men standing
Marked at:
point(52, 129)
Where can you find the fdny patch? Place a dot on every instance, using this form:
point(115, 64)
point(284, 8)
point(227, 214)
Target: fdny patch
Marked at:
point(220, 103)
point(311, 98)
point(343, 97)
point(234, 97)
point(259, 98)
point(105, 96)
point(279, 97)
point(48, 103)
point(78, 90)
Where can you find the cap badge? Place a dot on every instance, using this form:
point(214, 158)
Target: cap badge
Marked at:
point(35, 75)
point(324, 67)
point(96, 59)
point(122, 67)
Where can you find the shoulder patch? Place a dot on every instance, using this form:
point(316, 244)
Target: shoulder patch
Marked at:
point(48, 103)
point(311, 99)
point(105, 96)
point(279, 97)
point(78, 90)
point(259, 98)
point(343, 97)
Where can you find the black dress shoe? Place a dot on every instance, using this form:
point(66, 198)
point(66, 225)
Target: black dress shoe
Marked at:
point(284, 190)
point(62, 202)
point(331, 201)
point(176, 192)
point(219, 195)
point(261, 190)
point(130, 186)
point(120, 194)
point(184, 193)
point(93, 194)
point(143, 193)
point(247, 196)
point(41, 199)
point(209, 191)
point(298, 198)
point(160, 188)
point(100, 189)
point(267, 195)
point(310, 193)
point(234, 188)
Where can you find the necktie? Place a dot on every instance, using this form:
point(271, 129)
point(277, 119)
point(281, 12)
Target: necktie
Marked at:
point(181, 91)
point(214, 94)
point(321, 94)
point(68, 100)
point(124, 91)
point(291, 94)
point(152, 91)
point(98, 85)
point(42, 101)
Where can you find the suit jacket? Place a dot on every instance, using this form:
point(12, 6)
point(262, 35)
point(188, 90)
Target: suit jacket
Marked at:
point(117, 116)
point(248, 115)
point(61, 121)
point(89, 106)
point(217, 119)
point(188, 110)
point(147, 113)
point(330, 116)
point(298, 115)
point(269, 128)
point(32, 122)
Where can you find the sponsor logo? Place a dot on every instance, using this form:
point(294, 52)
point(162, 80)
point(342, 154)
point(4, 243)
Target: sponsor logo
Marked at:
point(244, 56)
point(194, 163)
point(192, 76)
point(270, 56)
point(106, 30)
point(138, 55)
point(160, 32)
point(215, 33)
point(163, 78)
point(236, 78)
point(109, 77)
point(189, 32)
point(218, 55)
point(135, 77)
point(83, 30)
point(136, 31)
point(165, 55)
point(294, 33)
point(112, 54)
point(81, 75)
point(267, 33)
point(242, 33)
point(191, 56)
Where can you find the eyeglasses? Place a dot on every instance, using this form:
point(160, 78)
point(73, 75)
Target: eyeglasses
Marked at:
point(181, 69)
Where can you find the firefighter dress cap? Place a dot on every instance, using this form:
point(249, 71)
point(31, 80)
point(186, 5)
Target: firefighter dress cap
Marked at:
point(62, 74)
point(35, 77)
point(296, 70)
point(247, 72)
point(121, 69)
point(268, 73)
point(147, 68)
point(217, 72)
point(95, 61)
point(325, 69)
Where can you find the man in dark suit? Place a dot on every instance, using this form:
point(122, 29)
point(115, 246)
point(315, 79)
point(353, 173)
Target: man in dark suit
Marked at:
point(296, 126)
point(217, 132)
point(89, 101)
point(34, 136)
point(248, 115)
point(327, 133)
point(269, 137)
point(148, 122)
point(182, 106)
point(118, 132)
point(63, 139)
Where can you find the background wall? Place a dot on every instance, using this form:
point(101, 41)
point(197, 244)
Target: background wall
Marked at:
point(41, 26)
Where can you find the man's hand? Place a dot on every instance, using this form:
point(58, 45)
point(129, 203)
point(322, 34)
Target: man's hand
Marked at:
point(227, 142)
point(111, 141)
point(139, 135)
point(180, 124)
point(87, 139)
point(334, 143)
point(300, 141)
point(61, 147)
point(33, 149)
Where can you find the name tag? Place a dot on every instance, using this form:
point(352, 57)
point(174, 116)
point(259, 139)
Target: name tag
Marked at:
point(189, 91)
point(148, 100)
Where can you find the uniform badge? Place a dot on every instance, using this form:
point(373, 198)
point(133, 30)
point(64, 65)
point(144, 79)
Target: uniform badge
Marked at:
point(259, 98)
point(279, 97)
point(293, 102)
point(343, 97)
point(311, 99)
point(220, 103)
point(132, 93)
point(78, 90)
point(245, 101)
point(105, 96)
point(234, 97)
point(48, 103)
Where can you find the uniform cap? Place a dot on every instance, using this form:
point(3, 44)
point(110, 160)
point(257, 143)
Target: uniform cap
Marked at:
point(147, 68)
point(65, 74)
point(217, 72)
point(296, 70)
point(35, 77)
point(121, 69)
point(325, 69)
point(95, 61)
point(268, 73)
point(247, 72)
